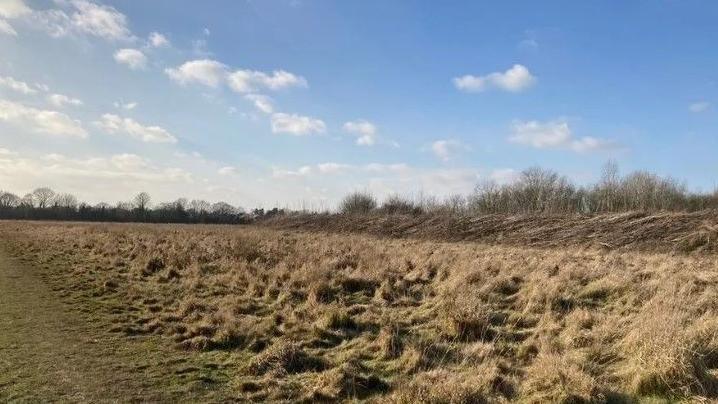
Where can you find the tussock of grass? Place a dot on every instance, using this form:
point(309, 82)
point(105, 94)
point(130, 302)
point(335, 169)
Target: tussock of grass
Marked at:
point(342, 317)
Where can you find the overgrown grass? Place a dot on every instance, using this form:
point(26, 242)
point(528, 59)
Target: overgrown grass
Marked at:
point(315, 316)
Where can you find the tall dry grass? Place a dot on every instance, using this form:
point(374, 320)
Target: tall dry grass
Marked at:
point(315, 316)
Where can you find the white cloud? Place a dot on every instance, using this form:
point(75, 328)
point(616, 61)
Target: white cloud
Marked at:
point(157, 40)
point(133, 58)
point(364, 130)
point(301, 172)
point(127, 106)
point(151, 134)
point(6, 28)
point(261, 102)
point(515, 79)
point(555, 135)
point(332, 168)
point(212, 73)
point(13, 8)
point(40, 121)
point(446, 149)
point(99, 20)
point(228, 170)
point(209, 72)
point(245, 81)
point(94, 177)
point(85, 18)
point(700, 106)
point(15, 85)
point(297, 125)
point(60, 100)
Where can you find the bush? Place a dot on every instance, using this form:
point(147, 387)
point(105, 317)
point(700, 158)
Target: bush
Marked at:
point(358, 203)
point(395, 205)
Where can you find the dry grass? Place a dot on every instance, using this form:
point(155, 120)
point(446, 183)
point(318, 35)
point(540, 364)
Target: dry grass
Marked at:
point(330, 317)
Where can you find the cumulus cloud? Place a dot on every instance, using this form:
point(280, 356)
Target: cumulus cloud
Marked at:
point(261, 102)
point(515, 79)
point(6, 28)
point(40, 121)
point(100, 20)
point(16, 85)
point(296, 125)
point(83, 17)
point(212, 73)
point(555, 135)
point(364, 130)
point(118, 174)
point(446, 149)
point(60, 100)
point(157, 40)
point(700, 106)
point(301, 172)
point(151, 134)
point(246, 81)
point(133, 58)
point(13, 8)
point(208, 72)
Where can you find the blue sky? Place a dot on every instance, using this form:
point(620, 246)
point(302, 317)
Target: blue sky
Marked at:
point(299, 101)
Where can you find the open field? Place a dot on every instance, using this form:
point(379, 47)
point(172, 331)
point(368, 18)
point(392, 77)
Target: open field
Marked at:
point(255, 313)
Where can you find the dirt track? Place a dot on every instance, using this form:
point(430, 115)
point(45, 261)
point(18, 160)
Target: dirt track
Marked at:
point(49, 352)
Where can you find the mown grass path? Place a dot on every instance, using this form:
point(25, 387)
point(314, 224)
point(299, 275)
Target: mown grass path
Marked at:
point(49, 352)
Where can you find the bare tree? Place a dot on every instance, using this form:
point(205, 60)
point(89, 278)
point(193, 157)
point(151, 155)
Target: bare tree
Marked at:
point(67, 201)
point(199, 206)
point(8, 200)
point(142, 201)
point(43, 197)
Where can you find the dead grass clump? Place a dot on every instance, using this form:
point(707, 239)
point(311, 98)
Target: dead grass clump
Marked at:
point(468, 317)
point(558, 378)
point(442, 386)
point(321, 293)
point(347, 381)
point(389, 342)
point(154, 264)
point(336, 318)
point(284, 357)
point(668, 355)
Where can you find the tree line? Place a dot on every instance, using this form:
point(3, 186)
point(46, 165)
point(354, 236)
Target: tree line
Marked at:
point(45, 204)
point(535, 191)
point(541, 191)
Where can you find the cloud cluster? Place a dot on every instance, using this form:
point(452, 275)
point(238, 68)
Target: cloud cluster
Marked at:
point(446, 149)
point(555, 135)
point(296, 125)
point(212, 73)
point(151, 134)
point(15, 85)
point(40, 121)
point(61, 100)
point(515, 79)
point(133, 58)
point(78, 17)
point(365, 131)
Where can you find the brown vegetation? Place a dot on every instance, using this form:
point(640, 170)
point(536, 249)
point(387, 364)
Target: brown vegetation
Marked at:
point(317, 316)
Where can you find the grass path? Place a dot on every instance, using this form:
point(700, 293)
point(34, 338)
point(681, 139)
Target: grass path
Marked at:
point(50, 352)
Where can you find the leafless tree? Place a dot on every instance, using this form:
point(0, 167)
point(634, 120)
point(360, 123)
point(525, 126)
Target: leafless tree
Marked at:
point(43, 197)
point(142, 201)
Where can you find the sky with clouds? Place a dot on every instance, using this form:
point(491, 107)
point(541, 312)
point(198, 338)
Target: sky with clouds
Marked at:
point(296, 102)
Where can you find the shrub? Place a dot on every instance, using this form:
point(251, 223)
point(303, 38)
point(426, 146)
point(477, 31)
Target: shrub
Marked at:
point(357, 203)
point(395, 205)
